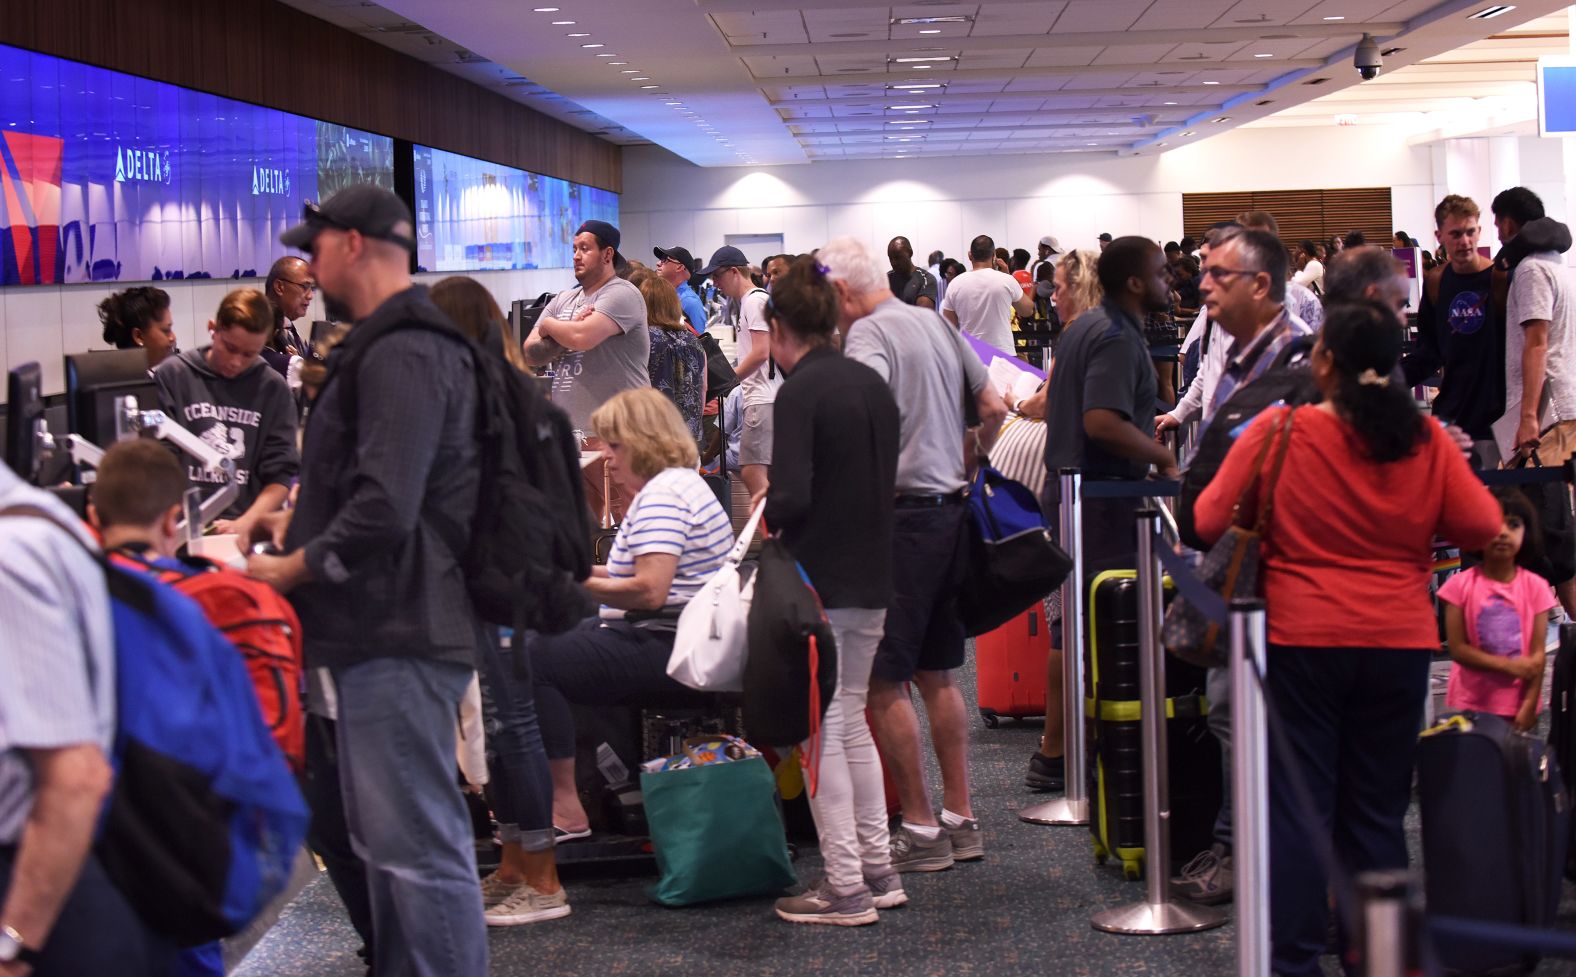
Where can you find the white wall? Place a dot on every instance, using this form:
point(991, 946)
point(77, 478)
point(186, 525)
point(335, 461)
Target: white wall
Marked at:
point(46, 322)
point(942, 203)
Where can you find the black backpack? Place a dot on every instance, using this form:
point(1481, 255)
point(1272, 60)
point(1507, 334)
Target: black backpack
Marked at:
point(1288, 381)
point(530, 540)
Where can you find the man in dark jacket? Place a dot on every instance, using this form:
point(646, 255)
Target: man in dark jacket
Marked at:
point(390, 475)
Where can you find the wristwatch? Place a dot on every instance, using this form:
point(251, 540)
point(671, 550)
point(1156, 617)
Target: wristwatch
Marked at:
point(14, 949)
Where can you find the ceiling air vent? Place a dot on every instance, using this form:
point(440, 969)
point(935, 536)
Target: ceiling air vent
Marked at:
point(1316, 81)
point(1264, 101)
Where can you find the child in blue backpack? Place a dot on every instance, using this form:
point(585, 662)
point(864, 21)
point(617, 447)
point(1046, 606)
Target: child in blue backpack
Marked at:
point(1496, 622)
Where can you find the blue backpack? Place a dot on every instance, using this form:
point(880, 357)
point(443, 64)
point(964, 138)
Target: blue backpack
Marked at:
point(205, 819)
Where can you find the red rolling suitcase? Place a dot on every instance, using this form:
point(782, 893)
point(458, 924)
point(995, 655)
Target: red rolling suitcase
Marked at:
point(1009, 667)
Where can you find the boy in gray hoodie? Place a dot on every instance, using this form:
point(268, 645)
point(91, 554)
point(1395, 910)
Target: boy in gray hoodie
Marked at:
point(226, 395)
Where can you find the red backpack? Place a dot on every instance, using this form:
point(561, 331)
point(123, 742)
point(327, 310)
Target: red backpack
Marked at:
point(261, 625)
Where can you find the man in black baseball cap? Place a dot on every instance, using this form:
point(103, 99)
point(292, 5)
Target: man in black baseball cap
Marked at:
point(388, 493)
point(606, 235)
point(676, 267)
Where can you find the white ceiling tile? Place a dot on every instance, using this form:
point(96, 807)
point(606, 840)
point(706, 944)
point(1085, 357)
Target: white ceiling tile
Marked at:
point(774, 27)
point(1134, 54)
point(1190, 15)
point(1060, 57)
point(1106, 15)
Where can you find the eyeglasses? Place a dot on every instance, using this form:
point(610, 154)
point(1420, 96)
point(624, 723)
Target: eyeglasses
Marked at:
point(1220, 274)
point(307, 287)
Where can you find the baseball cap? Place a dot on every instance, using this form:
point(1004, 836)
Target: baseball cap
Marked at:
point(1106, 237)
point(371, 210)
point(606, 235)
point(1052, 243)
point(725, 257)
point(681, 255)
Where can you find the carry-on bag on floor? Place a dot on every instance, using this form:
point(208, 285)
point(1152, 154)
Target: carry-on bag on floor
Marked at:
point(1113, 713)
point(1009, 667)
point(1495, 830)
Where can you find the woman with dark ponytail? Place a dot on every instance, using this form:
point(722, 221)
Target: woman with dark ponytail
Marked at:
point(140, 316)
point(1368, 483)
point(834, 471)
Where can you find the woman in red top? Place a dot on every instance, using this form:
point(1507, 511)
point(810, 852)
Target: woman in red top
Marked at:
point(1368, 484)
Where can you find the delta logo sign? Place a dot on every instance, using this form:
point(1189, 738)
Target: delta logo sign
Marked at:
point(142, 166)
point(270, 181)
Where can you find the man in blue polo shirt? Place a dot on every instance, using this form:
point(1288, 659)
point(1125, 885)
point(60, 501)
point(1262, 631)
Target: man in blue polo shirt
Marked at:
point(675, 265)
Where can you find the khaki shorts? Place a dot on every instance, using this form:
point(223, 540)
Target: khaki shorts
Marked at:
point(755, 441)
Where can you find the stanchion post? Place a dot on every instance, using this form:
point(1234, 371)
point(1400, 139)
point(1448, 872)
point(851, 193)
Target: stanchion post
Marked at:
point(1073, 806)
point(1159, 913)
point(1250, 788)
point(1390, 913)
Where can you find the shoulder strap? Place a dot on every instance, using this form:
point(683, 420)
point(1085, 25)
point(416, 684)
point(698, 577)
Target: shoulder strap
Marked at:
point(1258, 468)
point(1431, 284)
point(747, 535)
point(1267, 500)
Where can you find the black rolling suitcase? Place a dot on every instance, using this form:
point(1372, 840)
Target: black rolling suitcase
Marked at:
point(1562, 725)
point(1113, 721)
point(1495, 832)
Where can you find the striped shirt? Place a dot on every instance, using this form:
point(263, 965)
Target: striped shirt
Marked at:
point(676, 513)
point(57, 627)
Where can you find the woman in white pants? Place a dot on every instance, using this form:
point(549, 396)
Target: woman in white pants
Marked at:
point(834, 471)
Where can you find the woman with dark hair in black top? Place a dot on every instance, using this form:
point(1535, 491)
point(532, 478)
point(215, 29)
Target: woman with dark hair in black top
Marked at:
point(834, 472)
point(140, 317)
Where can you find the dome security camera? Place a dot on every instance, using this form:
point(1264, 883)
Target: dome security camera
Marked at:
point(1367, 60)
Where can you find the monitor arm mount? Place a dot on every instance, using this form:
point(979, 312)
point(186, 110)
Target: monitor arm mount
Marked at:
point(132, 422)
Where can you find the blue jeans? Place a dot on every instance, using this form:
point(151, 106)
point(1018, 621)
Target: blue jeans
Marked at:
point(407, 820)
point(522, 787)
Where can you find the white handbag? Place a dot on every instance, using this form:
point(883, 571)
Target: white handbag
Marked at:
point(709, 648)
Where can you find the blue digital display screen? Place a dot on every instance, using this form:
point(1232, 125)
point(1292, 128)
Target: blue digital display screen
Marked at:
point(106, 176)
point(472, 215)
point(1558, 92)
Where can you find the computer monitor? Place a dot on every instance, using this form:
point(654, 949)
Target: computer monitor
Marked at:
point(24, 420)
point(96, 381)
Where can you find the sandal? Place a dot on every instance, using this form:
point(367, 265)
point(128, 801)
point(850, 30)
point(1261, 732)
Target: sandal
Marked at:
point(561, 835)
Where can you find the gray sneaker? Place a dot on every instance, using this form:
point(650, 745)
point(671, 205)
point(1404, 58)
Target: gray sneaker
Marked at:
point(822, 903)
point(886, 890)
point(496, 890)
point(526, 905)
point(1207, 878)
point(968, 844)
point(910, 853)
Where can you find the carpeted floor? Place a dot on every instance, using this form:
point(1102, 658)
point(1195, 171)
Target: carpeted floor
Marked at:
point(1023, 911)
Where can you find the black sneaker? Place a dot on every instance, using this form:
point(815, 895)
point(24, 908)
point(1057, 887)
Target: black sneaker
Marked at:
point(1046, 773)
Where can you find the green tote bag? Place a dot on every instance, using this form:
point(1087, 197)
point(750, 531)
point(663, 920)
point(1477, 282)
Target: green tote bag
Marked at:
point(716, 832)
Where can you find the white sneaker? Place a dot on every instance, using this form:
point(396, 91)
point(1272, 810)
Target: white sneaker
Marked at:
point(526, 905)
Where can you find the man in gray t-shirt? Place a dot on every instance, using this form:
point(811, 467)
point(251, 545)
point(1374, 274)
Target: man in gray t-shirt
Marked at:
point(594, 337)
point(932, 371)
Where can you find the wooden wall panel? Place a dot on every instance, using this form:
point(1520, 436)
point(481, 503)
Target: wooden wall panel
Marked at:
point(265, 52)
point(1315, 214)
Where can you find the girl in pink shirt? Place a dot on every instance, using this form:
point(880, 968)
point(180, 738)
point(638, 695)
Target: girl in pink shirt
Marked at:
point(1496, 620)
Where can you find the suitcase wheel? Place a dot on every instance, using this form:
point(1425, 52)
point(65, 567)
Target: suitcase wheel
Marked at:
point(990, 718)
point(1132, 869)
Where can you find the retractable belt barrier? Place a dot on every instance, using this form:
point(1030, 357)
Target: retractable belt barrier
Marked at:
point(1382, 910)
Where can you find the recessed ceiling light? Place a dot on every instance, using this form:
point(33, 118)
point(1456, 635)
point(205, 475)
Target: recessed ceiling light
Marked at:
point(1171, 103)
point(910, 107)
point(592, 45)
point(563, 23)
point(578, 34)
point(928, 30)
point(1264, 55)
point(1494, 11)
point(951, 19)
point(1337, 17)
point(630, 71)
point(915, 87)
point(545, 10)
point(616, 63)
point(920, 61)
point(1211, 82)
point(642, 78)
point(643, 87)
point(607, 56)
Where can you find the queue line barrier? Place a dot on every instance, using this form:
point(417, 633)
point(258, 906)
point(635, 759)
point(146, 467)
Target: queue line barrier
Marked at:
point(1382, 909)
